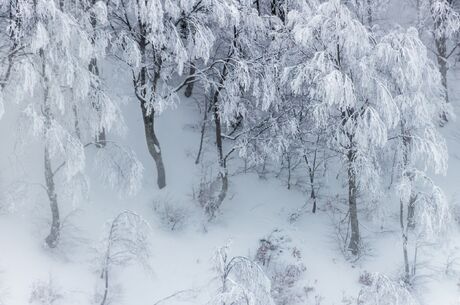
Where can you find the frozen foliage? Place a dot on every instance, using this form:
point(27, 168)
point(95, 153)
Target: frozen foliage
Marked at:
point(384, 291)
point(119, 168)
point(241, 281)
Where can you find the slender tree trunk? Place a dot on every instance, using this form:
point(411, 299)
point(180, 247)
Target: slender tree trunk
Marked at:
point(257, 3)
point(312, 193)
point(404, 244)
point(411, 211)
point(370, 17)
point(191, 81)
point(105, 277)
point(441, 54)
point(101, 138)
point(203, 130)
point(311, 175)
point(148, 113)
point(355, 239)
point(53, 238)
point(223, 173)
point(76, 122)
point(288, 158)
point(411, 222)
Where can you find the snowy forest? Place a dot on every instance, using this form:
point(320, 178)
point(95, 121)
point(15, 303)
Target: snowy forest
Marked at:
point(229, 152)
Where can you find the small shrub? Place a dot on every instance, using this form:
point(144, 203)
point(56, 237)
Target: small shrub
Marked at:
point(45, 293)
point(283, 264)
point(384, 291)
point(172, 214)
point(365, 278)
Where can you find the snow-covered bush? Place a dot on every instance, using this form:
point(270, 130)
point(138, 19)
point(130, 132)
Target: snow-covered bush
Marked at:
point(384, 291)
point(241, 281)
point(172, 214)
point(282, 262)
point(366, 278)
point(45, 293)
point(126, 243)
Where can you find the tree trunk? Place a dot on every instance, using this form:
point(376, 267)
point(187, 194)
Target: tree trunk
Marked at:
point(312, 194)
point(190, 81)
point(53, 238)
point(411, 211)
point(223, 173)
point(406, 278)
point(441, 55)
point(355, 239)
point(288, 158)
point(370, 17)
point(411, 221)
point(153, 145)
point(203, 130)
point(105, 277)
point(148, 113)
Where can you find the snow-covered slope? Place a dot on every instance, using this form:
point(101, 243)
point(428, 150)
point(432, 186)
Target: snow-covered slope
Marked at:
point(181, 260)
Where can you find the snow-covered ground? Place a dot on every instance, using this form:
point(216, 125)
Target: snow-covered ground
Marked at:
point(181, 260)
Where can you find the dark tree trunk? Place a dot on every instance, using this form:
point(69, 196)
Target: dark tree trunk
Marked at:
point(257, 3)
point(370, 18)
point(203, 130)
point(277, 10)
point(311, 175)
point(148, 113)
point(153, 144)
point(105, 277)
point(223, 172)
point(441, 54)
point(288, 159)
point(190, 81)
point(355, 238)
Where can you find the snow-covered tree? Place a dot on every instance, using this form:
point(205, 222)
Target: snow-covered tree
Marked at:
point(446, 24)
point(66, 103)
point(241, 87)
point(242, 281)
point(368, 11)
point(12, 33)
point(416, 86)
point(127, 243)
point(438, 21)
point(157, 39)
point(344, 95)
